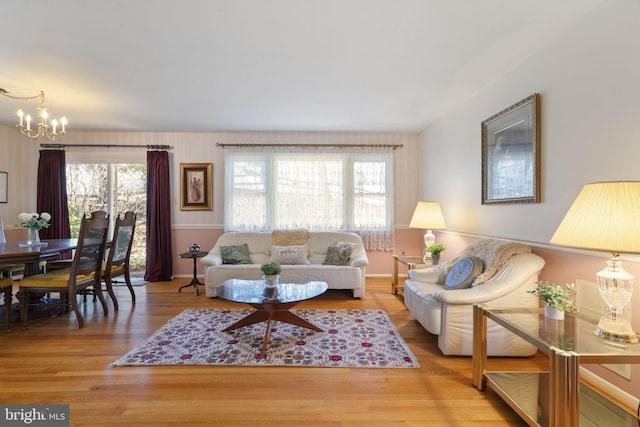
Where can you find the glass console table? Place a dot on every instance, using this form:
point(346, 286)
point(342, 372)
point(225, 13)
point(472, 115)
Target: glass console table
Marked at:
point(411, 262)
point(568, 343)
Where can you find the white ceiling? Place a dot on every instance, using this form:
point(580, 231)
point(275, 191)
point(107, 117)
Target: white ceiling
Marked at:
point(261, 65)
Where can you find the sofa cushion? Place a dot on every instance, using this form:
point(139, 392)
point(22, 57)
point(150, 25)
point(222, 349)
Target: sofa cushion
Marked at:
point(295, 254)
point(463, 273)
point(235, 254)
point(289, 238)
point(338, 255)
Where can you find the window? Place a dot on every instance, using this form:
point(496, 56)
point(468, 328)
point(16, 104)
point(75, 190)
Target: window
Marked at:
point(112, 187)
point(340, 190)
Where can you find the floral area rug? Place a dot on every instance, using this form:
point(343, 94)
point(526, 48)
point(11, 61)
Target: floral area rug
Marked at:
point(351, 338)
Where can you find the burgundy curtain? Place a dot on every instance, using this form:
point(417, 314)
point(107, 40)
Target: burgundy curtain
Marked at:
point(52, 194)
point(159, 256)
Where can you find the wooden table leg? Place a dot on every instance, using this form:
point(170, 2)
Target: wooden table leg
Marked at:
point(8, 299)
point(394, 276)
point(479, 358)
point(271, 312)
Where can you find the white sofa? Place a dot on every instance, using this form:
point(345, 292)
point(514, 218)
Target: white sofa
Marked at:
point(448, 313)
point(351, 276)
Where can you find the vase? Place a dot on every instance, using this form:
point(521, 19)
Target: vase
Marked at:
point(270, 293)
point(435, 259)
point(33, 237)
point(271, 279)
point(194, 249)
point(553, 313)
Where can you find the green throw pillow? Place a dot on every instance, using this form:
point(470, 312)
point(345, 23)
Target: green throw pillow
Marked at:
point(338, 255)
point(238, 254)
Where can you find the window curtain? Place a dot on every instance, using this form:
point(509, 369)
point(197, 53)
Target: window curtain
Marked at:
point(52, 194)
point(159, 256)
point(345, 189)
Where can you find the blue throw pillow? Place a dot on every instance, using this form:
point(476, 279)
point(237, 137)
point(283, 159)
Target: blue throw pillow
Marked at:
point(463, 272)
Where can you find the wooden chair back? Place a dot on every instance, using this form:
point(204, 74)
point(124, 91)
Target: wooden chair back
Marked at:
point(119, 255)
point(122, 242)
point(3, 238)
point(89, 253)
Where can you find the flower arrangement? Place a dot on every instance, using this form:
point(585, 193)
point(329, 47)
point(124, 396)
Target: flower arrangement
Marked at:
point(557, 296)
point(34, 221)
point(271, 268)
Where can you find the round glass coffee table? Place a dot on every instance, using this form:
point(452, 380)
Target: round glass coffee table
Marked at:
point(271, 302)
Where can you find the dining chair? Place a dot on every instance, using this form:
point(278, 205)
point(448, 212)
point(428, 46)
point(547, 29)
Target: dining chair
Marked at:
point(117, 263)
point(84, 273)
point(11, 269)
point(119, 254)
point(6, 288)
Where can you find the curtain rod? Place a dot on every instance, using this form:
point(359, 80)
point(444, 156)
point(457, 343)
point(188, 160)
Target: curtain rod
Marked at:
point(148, 147)
point(393, 146)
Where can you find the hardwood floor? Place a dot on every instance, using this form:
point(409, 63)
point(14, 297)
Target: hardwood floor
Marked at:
point(55, 362)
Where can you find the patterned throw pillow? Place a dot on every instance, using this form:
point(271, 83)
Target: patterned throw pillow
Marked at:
point(463, 273)
point(339, 255)
point(356, 249)
point(289, 238)
point(289, 254)
point(238, 254)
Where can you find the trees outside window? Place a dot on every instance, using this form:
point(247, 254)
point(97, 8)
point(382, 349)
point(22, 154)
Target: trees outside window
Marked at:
point(112, 187)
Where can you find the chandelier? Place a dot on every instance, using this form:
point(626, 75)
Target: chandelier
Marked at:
point(51, 132)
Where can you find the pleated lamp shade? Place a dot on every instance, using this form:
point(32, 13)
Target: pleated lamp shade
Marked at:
point(428, 215)
point(605, 216)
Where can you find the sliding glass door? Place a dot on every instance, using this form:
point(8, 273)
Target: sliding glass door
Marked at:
point(112, 187)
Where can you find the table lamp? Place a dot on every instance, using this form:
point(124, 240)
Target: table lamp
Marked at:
point(606, 216)
point(428, 216)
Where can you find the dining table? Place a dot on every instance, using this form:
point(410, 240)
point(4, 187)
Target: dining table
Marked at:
point(12, 253)
point(17, 253)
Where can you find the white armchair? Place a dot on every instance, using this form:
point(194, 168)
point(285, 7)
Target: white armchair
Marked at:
point(448, 313)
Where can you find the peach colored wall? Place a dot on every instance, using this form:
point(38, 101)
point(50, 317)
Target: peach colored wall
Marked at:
point(13, 234)
point(183, 238)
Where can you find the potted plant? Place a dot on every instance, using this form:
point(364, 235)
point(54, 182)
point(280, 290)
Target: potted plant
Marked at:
point(435, 250)
point(271, 271)
point(557, 299)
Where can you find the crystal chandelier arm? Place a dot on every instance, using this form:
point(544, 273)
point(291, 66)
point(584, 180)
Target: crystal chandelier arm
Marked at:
point(42, 130)
point(23, 98)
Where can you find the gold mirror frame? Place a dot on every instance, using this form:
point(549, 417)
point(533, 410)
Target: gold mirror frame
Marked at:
point(511, 154)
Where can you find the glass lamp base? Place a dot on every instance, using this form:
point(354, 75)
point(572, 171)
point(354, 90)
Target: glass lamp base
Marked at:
point(618, 331)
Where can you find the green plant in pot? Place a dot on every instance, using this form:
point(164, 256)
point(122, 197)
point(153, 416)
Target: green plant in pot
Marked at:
point(557, 298)
point(271, 271)
point(435, 250)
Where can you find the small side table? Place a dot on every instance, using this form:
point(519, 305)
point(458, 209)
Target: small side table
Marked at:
point(410, 261)
point(194, 281)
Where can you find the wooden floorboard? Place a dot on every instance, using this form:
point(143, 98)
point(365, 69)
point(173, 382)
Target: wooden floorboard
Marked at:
point(55, 362)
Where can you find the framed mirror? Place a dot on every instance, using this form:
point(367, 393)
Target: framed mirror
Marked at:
point(511, 154)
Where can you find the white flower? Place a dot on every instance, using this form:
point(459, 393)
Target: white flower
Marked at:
point(33, 220)
point(24, 217)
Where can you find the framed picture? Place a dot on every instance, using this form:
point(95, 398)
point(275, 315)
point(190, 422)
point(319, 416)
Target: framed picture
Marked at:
point(196, 186)
point(4, 186)
point(511, 154)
